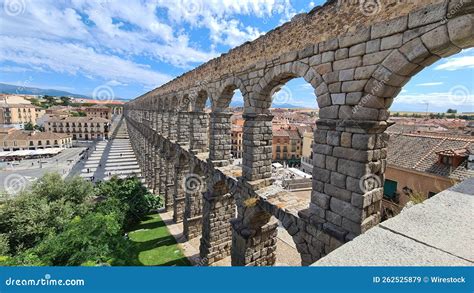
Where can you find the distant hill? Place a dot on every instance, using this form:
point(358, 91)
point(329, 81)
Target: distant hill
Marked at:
point(236, 104)
point(21, 90)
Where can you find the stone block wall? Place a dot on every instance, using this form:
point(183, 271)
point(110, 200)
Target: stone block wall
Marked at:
point(257, 142)
point(218, 211)
point(220, 137)
point(199, 131)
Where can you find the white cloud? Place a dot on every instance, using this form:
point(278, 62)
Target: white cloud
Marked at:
point(15, 69)
point(458, 96)
point(115, 83)
point(74, 59)
point(430, 84)
point(112, 40)
point(457, 63)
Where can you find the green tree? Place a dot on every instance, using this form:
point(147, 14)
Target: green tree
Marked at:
point(28, 126)
point(66, 101)
point(132, 195)
point(50, 100)
point(35, 102)
point(96, 238)
point(452, 111)
point(71, 222)
point(47, 208)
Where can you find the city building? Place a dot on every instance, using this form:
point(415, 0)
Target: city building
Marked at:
point(81, 128)
point(99, 112)
point(14, 99)
point(19, 114)
point(237, 138)
point(420, 166)
point(281, 145)
point(307, 153)
point(32, 140)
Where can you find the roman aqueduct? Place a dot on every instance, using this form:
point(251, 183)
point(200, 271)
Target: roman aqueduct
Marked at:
point(357, 57)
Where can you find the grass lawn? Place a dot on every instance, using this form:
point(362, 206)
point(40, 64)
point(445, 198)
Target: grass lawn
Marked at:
point(153, 245)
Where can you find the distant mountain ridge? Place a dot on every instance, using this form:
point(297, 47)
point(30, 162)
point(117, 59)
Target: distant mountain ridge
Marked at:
point(24, 90)
point(236, 104)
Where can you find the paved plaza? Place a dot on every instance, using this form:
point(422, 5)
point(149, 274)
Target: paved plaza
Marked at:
point(16, 176)
point(112, 158)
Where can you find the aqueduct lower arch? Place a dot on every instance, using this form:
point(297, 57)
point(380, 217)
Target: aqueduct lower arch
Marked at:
point(357, 65)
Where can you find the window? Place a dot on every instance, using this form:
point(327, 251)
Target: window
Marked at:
point(390, 189)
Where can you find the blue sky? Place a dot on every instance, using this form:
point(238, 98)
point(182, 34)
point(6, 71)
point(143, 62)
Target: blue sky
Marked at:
point(134, 46)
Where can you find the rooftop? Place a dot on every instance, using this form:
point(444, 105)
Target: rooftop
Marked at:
point(420, 153)
point(77, 119)
point(34, 135)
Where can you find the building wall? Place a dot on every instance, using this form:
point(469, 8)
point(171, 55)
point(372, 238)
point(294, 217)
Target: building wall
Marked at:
point(237, 146)
point(79, 130)
point(32, 143)
point(423, 183)
point(307, 144)
point(19, 115)
point(281, 148)
point(105, 113)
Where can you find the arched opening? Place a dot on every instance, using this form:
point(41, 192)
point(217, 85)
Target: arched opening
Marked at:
point(431, 137)
point(294, 111)
point(286, 251)
point(199, 122)
point(228, 124)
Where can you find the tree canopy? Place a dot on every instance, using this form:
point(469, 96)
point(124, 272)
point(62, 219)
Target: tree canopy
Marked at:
point(71, 222)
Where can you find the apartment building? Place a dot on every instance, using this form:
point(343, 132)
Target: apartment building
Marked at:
point(19, 113)
point(15, 140)
point(81, 128)
point(99, 112)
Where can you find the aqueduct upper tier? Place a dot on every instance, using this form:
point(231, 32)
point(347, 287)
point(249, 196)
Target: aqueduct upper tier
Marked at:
point(357, 57)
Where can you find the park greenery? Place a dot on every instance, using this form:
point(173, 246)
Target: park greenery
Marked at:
point(72, 222)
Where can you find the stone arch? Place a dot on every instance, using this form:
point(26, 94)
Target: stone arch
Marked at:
point(202, 95)
point(184, 102)
point(226, 92)
point(277, 77)
point(440, 40)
